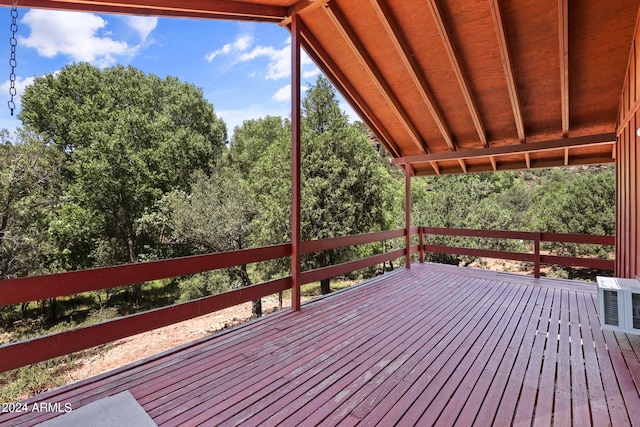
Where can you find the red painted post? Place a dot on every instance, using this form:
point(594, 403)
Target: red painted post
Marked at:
point(421, 234)
point(407, 207)
point(536, 250)
point(296, 242)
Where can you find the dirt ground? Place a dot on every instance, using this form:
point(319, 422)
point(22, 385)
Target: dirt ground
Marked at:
point(147, 344)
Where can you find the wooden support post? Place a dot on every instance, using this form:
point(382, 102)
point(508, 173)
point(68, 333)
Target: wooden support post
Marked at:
point(536, 250)
point(295, 163)
point(421, 234)
point(407, 206)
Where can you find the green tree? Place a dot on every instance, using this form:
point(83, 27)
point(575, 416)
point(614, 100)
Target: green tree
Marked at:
point(346, 189)
point(581, 201)
point(29, 189)
point(128, 138)
point(215, 216)
point(251, 141)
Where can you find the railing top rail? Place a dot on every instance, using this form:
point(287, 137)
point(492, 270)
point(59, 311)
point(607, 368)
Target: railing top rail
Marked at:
point(522, 235)
point(578, 238)
point(359, 239)
point(466, 232)
point(34, 288)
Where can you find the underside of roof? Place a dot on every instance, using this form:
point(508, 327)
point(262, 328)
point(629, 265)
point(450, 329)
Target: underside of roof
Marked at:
point(455, 86)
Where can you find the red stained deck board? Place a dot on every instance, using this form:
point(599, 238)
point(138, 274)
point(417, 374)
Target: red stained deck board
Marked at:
point(349, 387)
point(580, 407)
point(457, 367)
point(501, 398)
point(615, 402)
point(350, 343)
point(597, 398)
point(424, 357)
point(489, 347)
point(497, 364)
point(492, 351)
point(434, 321)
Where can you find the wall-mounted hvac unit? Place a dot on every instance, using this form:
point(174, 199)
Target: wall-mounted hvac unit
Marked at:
point(619, 304)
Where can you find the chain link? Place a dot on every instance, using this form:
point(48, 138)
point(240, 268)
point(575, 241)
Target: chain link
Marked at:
point(12, 61)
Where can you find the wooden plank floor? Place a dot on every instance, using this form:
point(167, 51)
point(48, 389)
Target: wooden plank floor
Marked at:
point(433, 345)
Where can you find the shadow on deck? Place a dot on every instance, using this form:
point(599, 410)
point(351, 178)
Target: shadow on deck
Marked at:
point(433, 344)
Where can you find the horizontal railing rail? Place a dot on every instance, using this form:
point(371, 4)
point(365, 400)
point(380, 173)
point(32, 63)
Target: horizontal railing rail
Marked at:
point(35, 288)
point(536, 237)
point(15, 291)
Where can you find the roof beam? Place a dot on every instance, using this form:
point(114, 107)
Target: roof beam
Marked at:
point(457, 69)
point(508, 68)
point(396, 35)
point(330, 69)
point(300, 8)
point(211, 9)
point(463, 165)
point(535, 164)
point(566, 157)
point(493, 162)
point(358, 49)
point(532, 147)
point(527, 160)
point(563, 32)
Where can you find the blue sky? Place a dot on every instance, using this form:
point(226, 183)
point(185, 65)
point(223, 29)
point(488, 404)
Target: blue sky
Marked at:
point(243, 68)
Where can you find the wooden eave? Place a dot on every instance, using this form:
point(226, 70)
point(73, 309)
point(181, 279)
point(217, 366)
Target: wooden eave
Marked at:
point(450, 77)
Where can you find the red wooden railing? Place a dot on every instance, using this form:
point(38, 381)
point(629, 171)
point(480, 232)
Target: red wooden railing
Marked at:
point(15, 291)
point(536, 257)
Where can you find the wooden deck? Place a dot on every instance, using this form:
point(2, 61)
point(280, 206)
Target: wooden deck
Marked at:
point(430, 345)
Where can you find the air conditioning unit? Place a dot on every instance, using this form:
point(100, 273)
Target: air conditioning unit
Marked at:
point(619, 304)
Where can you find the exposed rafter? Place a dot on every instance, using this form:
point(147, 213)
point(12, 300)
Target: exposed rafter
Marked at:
point(330, 69)
point(396, 35)
point(508, 68)
point(463, 165)
point(493, 162)
point(302, 7)
point(358, 49)
point(457, 69)
point(563, 33)
point(435, 167)
point(211, 9)
point(566, 157)
point(532, 147)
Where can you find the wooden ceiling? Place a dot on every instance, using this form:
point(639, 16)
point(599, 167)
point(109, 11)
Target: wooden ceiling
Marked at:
point(454, 86)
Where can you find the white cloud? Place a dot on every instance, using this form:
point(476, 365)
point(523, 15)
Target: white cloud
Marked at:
point(241, 44)
point(143, 25)
point(80, 36)
point(279, 66)
point(311, 72)
point(284, 93)
point(279, 59)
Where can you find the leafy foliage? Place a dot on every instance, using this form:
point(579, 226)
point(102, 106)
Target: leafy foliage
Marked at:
point(345, 188)
point(128, 138)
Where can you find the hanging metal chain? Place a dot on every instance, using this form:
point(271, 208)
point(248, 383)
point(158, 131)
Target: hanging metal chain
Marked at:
point(12, 61)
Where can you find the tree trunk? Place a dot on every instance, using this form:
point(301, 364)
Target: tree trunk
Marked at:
point(256, 307)
point(136, 290)
point(324, 286)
